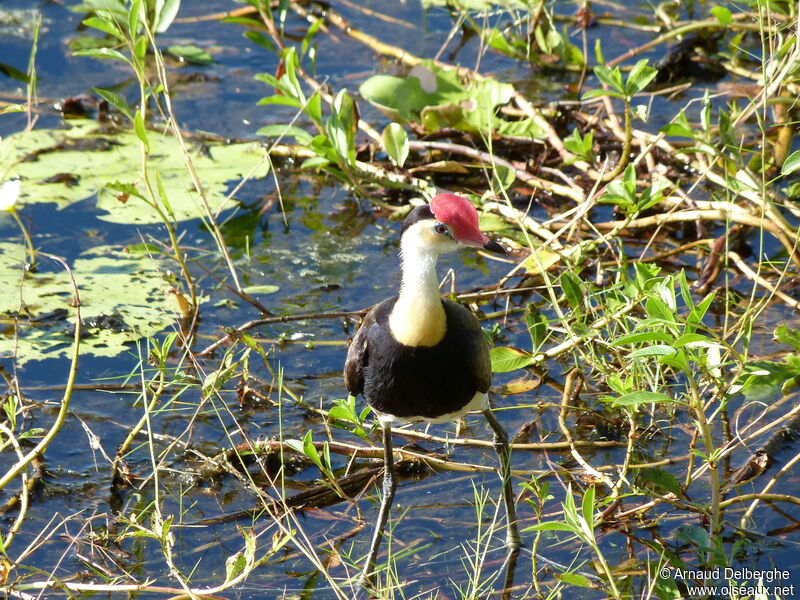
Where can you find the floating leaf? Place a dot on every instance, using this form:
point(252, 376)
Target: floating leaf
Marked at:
point(95, 158)
point(436, 98)
point(640, 397)
point(261, 289)
point(122, 300)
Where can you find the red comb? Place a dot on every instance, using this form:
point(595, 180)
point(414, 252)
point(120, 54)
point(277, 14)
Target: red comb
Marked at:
point(460, 215)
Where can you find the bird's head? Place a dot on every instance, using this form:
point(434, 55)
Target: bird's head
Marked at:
point(446, 224)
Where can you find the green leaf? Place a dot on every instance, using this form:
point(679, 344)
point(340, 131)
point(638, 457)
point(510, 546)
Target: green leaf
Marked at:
point(573, 288)
point(550, 526)
point(784, 335)
point(280, 131)
point(165, 14)
point(133, 17)
point(116, 101)
point(122, 300)
point(260, 39)
point(645, 336)
point(639, 77)
point(662, 480)
point(587, 506)
point(641, 397)
point(655, 350)
point(723, 15)
point(261, 289)
point(395, 142)
point(316, 162)
point(10, 71)
point(505, 359)
point(140, 129)
point(791, 164)
point(658, 309)
point(97, 158)
point(191, 54)
point(612, 77)
point(103, 53)
point(437, 97)
point(104, 25)
point(574, 579)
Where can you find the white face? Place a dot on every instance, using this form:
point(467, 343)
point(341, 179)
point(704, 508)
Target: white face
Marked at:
point(432, 236)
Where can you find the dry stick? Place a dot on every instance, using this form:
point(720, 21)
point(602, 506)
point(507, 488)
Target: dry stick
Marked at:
point(756, 278)
point(771, 91)
point(229, 337)
point(22, 498)
point(532, 180)
point(518, 216)
point(730, 211)
point(411, 60)
point(760, 497)
point(770, 484)
point(571, 392)
point(681, 30)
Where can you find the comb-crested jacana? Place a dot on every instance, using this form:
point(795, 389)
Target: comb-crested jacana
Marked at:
point(417, 357)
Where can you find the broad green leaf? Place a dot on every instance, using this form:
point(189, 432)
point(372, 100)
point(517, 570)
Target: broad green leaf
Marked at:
point(550, 526)
point(258, 38)
point(655, 350)
point(587, 506)
point(641, 397)
point(116, 101)
point(506, 359)
point(573, 288)
point(261, 289)
point(612, 77)
point(97, 158)
point(791, 164)
point(574, 579)
point(191, 54)
point(102, 53)
point(437, 97)
point(662, 479)
point(279, 131)
point(639, 77)
point(166, 11)
point(122, 295)
point(140, 130)
point(784, 335)
point(104, 25)
point(723, 15)
point(645, 336)
point(395, 142)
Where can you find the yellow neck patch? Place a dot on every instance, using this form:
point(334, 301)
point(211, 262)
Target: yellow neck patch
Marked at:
point(415, 321)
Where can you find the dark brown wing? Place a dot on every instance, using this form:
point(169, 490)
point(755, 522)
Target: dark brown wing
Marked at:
point(471, 343)
point(358, 357)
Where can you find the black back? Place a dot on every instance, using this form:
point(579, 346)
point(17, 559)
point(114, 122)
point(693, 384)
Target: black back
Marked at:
point(422, 381)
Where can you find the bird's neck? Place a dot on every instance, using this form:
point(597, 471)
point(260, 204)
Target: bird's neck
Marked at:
point(418, 317)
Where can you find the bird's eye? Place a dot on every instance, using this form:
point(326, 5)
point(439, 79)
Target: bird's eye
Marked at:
point(441, 229)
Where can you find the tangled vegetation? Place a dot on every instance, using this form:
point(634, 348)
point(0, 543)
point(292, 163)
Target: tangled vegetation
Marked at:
point(643, 331)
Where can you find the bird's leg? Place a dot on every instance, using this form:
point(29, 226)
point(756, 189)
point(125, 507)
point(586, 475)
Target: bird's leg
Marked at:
point(389, 487)
point(513, 540)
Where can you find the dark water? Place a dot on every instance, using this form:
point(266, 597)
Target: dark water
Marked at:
point(332, 253)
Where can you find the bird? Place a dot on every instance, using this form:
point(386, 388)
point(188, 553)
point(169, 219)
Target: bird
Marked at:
point(418, 357)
